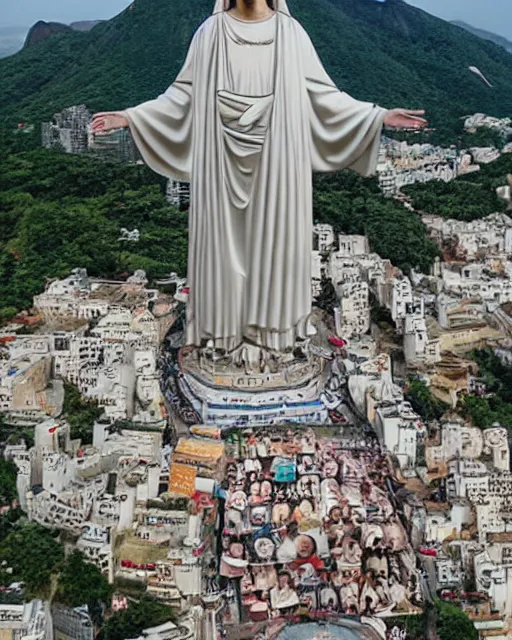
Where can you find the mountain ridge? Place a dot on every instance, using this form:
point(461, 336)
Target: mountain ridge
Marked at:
point(13, 39)
point(42, 30)
point(501, 41)
point(391, 53)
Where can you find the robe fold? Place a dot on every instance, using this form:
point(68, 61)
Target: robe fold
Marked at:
point(249, 118)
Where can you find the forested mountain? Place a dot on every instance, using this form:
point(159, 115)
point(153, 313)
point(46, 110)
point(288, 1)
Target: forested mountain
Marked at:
point(42, 30)
point(12, 39)
point(389, 53)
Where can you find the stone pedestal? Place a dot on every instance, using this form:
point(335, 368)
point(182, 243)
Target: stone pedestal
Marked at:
point(253, 386)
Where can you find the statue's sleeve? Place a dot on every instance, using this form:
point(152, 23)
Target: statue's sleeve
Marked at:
point(345, 132)
point(162, 128)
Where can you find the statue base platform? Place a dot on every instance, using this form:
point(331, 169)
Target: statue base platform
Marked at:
point(254, 386)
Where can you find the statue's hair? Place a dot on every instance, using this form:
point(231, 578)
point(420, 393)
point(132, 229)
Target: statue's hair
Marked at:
point(232, 4)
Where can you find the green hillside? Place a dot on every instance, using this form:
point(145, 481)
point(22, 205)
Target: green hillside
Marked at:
point(58, 212)
point(389, 53)
point(470, 197)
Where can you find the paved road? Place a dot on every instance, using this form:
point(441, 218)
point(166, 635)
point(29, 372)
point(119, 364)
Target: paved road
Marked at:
point(429, 564)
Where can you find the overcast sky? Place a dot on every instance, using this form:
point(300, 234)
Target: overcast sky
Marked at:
point(493, 15)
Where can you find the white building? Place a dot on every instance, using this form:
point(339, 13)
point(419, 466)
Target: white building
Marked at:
point(401, 164)
point(354, 309)
point(401, 298)
point(491, 235)
point(351, 246)
point(419, 348)
point(476, 281)
point(177, 193)
point(28, 621)
point(323, 238)
point(399, 428)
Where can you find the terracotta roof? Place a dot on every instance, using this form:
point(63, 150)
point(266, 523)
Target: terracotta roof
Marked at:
point(436, 506)
point(504, 536)
point(492, 633)
point(481, 617)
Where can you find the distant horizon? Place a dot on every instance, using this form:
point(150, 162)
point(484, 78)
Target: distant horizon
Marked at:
point(25, 13)
point(472, 12)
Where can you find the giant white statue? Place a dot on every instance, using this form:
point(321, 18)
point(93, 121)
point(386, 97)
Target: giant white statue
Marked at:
point(250, 116)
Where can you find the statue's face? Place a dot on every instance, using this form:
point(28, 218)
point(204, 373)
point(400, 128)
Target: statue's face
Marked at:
point(248, 3)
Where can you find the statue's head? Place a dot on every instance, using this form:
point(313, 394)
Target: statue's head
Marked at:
point(249, 3)
point(225, 5)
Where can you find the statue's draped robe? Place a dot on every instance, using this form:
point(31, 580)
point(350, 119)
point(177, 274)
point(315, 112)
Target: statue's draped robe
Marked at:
point(251, 115)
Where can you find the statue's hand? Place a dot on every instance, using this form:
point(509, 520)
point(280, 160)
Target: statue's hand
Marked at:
point(405, 119)
point(103, 122)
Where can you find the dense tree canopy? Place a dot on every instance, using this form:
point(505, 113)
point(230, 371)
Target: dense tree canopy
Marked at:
point(34, 554)
point(80, 583)
point(130, 622)
point(423, 401)
point(81, 413)
point(354, 205)
point(8, 474)
point(9, 521)
point(496, 407)
point(470, 197)
point(58, 212)
point(454, 624)
point(36, 558)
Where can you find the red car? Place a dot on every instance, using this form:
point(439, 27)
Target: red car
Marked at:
point(427, 551)
point(127, 563)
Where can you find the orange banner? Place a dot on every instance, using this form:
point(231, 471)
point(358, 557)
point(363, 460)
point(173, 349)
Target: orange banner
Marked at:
point(182, 480)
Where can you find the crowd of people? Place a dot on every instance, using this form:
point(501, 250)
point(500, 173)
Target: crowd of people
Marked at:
point(309, 525)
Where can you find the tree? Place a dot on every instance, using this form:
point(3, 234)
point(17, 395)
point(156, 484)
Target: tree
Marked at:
point(454, 624)
point(130, 622)
point(34, 554)
point(424, 402)
point(467, 198)
point(59, 211)
point(81, 582)
point(9, 521)
point(326, 299)
point(354, 205)
point(8, 489)
point(80, 413)
point(496, 407)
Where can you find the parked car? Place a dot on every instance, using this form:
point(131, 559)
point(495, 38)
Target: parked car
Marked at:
point(337, 342)
point(428, 551)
